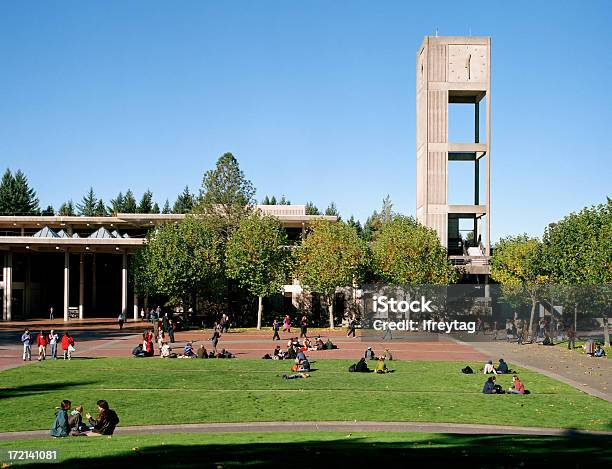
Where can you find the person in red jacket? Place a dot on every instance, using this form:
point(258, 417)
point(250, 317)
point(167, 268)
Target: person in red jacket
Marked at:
point(517, 386)
point(41, 341)
point(67, 345)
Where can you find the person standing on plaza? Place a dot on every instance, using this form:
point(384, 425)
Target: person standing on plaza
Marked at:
point(41, 341)
point(276, 327)
point(67, 345)
point(287, 325)
point(304, 326)
point(160, 338)
point(142, 314)
point(26, 340)
point(51, 313)
point(171, 330)
point(53, 338)
point(571, 339)
point(121, 320)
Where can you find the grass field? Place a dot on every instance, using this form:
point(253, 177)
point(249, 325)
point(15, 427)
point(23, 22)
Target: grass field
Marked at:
point(155, 391)
point(322, 449)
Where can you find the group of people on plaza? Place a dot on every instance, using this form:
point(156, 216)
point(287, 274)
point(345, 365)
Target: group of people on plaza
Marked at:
point(44, 340)
point(286, 324)
point(71, 422)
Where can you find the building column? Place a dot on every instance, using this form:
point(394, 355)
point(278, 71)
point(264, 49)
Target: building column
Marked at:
point(81, 284)
point(27, 290)
point(66, 284)
point(124, 285)
point(135, 307)
point(93, 284)
point(7, 296)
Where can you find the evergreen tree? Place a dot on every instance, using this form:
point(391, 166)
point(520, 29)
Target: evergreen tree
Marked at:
point(100, 209)
point(166, 210)
point(117, 204)
point(155, 208)
point(146, 203)
point(265, 201)
point(66, 209)
point(184, 202)
point(284, 201)
point(48, 212)
point(87, 207)
point(273, 200)
point(129, 202)
point(311, 209)
point(356, 225)
point(332, 211)
point(6, 193)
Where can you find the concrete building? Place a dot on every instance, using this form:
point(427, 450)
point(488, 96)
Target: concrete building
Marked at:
point(453, 89)
point(80, 265)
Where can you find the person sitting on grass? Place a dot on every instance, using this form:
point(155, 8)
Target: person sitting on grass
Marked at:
point(490, 387)
point(489, 368)
point(502, 368)
point(188, 351)
point(387, 355)
point(297, 376)
point(278, 354)
point(61, 427)
point(105, 423)
point(75, 420)
point(202, 353)
point(369, 354)
point(362, 366)
point(166, 351)
point(599, 352)
point(381, 366)
point(138, 351)
point(517, 386)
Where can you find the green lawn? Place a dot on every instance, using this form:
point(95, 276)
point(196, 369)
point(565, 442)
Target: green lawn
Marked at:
point(322, 449)
point(580, 349)
point(153, 391)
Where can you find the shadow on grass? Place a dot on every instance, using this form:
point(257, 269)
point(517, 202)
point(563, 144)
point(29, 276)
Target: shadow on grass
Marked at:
point(28, 389)
point(571, 450)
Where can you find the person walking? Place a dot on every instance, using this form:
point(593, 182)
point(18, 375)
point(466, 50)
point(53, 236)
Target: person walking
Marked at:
point(53, 338)
point(51, 313)
point(121, 320)
point(276, 327)
point(287, 323)
point(351, 327)
point(26, 340)
point(67, 345)
point(215, 338)
point(571, 339)
point(41, 341)
point(142, 314)
point(304, 326)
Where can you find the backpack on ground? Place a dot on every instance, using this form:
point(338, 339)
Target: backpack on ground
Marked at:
point(467, 370)
point(352, 368)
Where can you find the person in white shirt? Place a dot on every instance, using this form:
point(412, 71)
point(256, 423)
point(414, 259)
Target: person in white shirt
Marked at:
point(489, 368)
point(53, 338)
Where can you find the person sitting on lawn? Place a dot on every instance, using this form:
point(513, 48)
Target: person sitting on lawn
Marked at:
point(369, 354)
point(381, 366)
point(75, 420)
point(138, 351)
point(61, 427)
point(278, 354)
point(188, 351)
point(387, 355)
point(105, 423)
point(202, 353)
point(166, 351)
point(517, 386)
point(502, 368)
point(362, 366)
point(490, 387)
point(489, 368)
point(599, 352)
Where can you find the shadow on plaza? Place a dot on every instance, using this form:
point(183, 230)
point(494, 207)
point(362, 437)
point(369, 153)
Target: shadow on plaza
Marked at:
point(571, 450)
point(29, 389)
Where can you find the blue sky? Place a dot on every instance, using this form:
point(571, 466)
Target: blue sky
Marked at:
point(315, 98)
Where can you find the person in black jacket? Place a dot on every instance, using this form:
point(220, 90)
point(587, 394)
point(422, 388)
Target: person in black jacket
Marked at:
point(105, 423)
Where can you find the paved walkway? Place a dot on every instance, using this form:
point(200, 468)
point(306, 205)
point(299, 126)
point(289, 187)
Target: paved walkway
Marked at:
point(352, 426)
point(591, 375)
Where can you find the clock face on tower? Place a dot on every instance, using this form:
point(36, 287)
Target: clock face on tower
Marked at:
point(467, 63)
